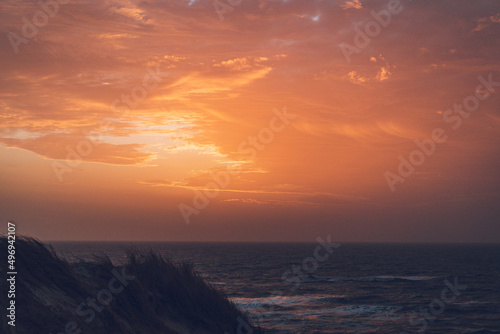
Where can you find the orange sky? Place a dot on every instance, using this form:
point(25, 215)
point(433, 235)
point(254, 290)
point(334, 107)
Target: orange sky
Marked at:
point(154, 97)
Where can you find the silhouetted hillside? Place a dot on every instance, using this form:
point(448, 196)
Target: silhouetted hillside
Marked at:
point(149, 294)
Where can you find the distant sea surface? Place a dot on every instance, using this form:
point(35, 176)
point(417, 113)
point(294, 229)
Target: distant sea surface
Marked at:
point(359, 288)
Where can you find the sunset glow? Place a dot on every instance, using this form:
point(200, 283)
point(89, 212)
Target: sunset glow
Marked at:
point(286, 116)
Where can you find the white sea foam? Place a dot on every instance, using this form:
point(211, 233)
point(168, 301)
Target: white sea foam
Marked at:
point(284, 301)
point(310, 306)
point(378, 278)
point(408, 278)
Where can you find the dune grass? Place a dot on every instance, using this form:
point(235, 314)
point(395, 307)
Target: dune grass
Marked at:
point(158, 296)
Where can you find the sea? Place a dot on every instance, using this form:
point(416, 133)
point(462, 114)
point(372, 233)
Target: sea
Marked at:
point(322, 287)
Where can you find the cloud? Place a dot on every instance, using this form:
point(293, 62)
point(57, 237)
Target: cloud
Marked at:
point(355, 4)
point(355, 78)
point(221, 81)
point(239, 64)
point(383, 74)
point(130, 10)
point(50, 147)
point(486, 21)
point(363, 131)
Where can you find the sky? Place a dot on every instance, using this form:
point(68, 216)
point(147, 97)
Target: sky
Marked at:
point(263, 120)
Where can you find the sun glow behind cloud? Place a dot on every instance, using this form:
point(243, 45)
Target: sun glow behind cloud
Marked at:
point(87, 78)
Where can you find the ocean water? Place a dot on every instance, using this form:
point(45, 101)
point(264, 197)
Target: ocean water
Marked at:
point(350, 288)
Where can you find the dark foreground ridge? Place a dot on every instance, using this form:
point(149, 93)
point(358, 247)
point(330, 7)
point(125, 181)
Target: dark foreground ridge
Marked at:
point(149, 294)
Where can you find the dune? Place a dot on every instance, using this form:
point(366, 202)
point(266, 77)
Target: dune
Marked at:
point(148, 294)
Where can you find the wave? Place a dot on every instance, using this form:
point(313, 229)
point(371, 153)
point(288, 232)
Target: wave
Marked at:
point(148, 294)
point(282, 301)
point(311, 305)
point(316, 278)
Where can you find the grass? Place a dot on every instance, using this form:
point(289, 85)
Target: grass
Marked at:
point(164, 297)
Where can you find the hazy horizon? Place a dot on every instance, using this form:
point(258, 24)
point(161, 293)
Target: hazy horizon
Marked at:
point(266, 120)
point(270, 242)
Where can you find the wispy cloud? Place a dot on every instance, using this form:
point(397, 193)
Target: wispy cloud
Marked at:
point(354, 4)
